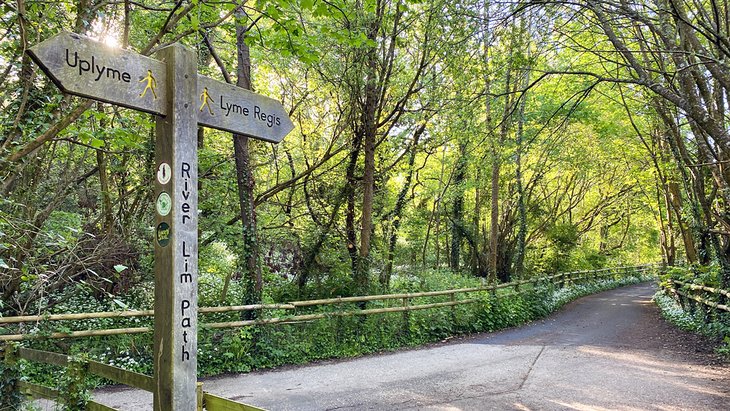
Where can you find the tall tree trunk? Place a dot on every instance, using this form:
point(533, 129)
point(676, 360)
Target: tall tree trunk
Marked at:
point(457, 210)
point(362, 270)
point(435, 218)
point(350, 184)
point(106, 202)
point(494, 247)
point(521, 238)
point(494, 217)
point(476, 267)
point(248, 260)
point(673, 143)
point(666, 222)
point(674, 202)
point(26, 75)
point(400, 203)
point(494, 192)
point(368, 127)
point(519, 260)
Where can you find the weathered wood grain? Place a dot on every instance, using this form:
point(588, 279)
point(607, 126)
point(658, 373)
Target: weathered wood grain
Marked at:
point(122, 376)
point(215, 403)
point(84, 67)
point(176, 260)
point(226, 107)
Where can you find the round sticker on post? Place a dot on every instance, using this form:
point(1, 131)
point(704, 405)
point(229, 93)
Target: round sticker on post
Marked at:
point(164, 204)
point(164, 173)
point(163, 234)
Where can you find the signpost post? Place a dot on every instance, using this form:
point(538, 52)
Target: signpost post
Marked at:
point(176, 232)
point(170, 88)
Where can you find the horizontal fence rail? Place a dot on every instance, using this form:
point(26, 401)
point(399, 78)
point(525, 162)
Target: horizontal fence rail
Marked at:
point(214, 402)
point(685, 289)
point(561, 279)
point(118, 375)
point(40, 391)
point(110, 372)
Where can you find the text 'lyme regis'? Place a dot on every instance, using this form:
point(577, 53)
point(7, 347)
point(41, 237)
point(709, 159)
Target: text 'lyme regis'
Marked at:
point(91, 67)
point(258, 114)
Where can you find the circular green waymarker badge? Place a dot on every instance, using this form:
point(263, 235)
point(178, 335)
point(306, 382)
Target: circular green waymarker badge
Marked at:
point(163, 234)
point(164, 204)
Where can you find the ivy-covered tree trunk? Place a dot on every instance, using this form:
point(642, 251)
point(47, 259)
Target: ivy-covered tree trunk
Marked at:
point(369, 129)
point(477, 244)
point(248, 259)
point(457, 210)
point(101, 164)
point(520, 241)
point(397, 213)
point(350, 190)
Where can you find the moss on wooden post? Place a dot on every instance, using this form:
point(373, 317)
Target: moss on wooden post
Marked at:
point(73, 386)
point(406, 328)
point(199, 396)
point(10, 397)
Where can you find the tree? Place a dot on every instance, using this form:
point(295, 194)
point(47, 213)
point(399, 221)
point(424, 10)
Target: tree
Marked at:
point(679, 57)
point(249, 250)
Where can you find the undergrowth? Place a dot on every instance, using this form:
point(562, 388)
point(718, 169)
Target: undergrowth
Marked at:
point(712, 325)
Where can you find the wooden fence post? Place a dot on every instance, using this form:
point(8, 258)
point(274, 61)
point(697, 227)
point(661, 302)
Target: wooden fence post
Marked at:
point(406, 318)
point(338, 322)
point(199, 395)
point(10, 397)
point(74, 391)
point(691, 302)
point(680, 298)
point(452, 297)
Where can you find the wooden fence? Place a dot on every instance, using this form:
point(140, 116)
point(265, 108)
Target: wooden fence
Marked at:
point(456, 297)
point(206, 400)
point(689, 293)
point(405, 304)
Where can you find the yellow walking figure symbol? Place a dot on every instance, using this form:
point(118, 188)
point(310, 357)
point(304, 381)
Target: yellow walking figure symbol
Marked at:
point(151, 84)
point(206, 100)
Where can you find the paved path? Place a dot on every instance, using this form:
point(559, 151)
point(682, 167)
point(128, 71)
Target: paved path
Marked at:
point(610, 351)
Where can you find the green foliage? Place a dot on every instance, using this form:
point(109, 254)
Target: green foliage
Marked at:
point(10, 398)
point(697, 321)
point(708, 275)
point(581, 162)
point(690, 315)
point(73, 386)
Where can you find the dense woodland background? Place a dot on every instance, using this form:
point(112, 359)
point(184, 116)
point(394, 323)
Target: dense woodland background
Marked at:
point(499, 140)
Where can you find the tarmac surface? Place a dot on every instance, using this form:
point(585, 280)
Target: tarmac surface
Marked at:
point(608, 351)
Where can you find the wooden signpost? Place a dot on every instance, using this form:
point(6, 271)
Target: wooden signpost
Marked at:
point(226, 107)
point(169, 87)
